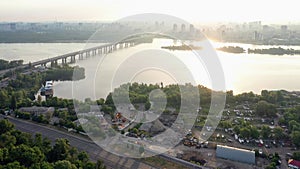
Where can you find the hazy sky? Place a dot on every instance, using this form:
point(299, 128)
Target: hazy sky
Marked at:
point(190, 10)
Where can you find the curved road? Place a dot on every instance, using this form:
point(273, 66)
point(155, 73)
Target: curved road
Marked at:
point(95, 152)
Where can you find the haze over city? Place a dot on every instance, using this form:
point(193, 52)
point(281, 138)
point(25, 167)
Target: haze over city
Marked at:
point(110, 10)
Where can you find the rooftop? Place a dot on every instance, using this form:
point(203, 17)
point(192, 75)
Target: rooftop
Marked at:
point(294, 163)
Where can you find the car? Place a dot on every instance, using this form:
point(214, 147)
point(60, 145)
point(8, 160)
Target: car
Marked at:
point(289, 155)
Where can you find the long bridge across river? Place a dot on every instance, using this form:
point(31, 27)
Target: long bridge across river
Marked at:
point(78, 55)
point(103, 49)
point(86, 53)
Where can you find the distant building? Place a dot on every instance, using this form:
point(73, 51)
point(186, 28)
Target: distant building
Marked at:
point(182, 27)
point(294, 164)
point(174, 27)
point(235, 154)
point(284, 28)
point(192, 29)
point(255, 25)
point(266, 27)
point(257, 36)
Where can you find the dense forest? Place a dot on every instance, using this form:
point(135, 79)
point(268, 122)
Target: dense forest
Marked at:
point(139, 93)
point(20, 150)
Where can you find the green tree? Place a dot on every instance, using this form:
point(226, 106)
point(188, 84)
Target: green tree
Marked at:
point(294, 125)
point(100, 165)
point(272, 165)
point(4, 155)
point(22, 138)
point(7, 140)
point(64, 164)
point(264, 108)
point(89, 165)
point(245, 132)
point(100, 101)
point(13, 102)
point(83, 156)
point(296, 155)
point(225, 124)
point(254, 133)
point(26, 155)
point(41, 165)
point(60, 150)
point(14, 165)
point(5, 126)
point(278, 133)
point(265, 131)
point(147, 105)
point(296, 138)
point(4, 98)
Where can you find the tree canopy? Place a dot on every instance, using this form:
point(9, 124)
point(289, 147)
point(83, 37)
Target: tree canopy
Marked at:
point(19, 150)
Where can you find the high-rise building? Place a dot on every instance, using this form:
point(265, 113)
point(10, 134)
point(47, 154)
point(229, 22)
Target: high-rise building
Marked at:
point(182, 27)
point(174, 27)
point(284, 28)
point(192, 29)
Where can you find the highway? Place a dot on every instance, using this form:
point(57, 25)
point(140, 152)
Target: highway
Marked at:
point(95, 152)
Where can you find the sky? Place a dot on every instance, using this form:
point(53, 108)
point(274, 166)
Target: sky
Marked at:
point(110, 10)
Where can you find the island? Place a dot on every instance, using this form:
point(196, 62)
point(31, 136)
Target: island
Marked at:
point(231, 49)
point(275, 51)
point(182, 47)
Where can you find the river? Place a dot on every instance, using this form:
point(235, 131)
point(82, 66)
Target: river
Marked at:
point(243, 72)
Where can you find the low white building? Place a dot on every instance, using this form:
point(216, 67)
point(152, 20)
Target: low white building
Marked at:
point(235, 154)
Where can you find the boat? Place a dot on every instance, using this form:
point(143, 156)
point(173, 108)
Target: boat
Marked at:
point(47, 90)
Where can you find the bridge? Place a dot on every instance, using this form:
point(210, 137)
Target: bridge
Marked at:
point(103, 49)
point(130, 41)
point(80, 55)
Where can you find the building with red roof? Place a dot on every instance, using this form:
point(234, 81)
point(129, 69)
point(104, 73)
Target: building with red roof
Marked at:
point(294, 164)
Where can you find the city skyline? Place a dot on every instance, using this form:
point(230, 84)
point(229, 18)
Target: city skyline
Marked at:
point(111, 10)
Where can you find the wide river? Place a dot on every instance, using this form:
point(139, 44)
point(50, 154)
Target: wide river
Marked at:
point(242, 72)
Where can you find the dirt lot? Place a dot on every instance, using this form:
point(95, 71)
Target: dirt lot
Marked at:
point(209, 155)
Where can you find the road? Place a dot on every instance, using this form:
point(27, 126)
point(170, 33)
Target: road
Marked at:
point(95, 152)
